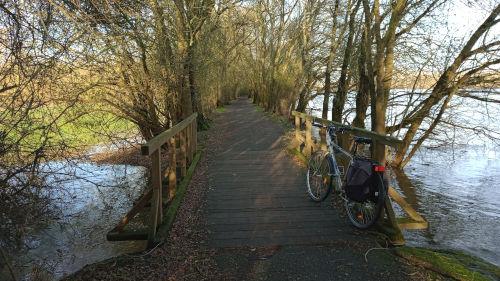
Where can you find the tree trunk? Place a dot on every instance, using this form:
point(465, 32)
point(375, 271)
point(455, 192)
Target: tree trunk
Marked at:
point(363, 95)
point(328, 72)
point(341, 96)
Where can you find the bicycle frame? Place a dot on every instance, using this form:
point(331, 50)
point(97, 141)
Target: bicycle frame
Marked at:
point(332, 148)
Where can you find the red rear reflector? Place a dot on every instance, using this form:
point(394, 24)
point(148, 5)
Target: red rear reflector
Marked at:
point(379, 168)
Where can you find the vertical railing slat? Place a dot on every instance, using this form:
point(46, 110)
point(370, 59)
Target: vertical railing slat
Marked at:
point(297, 131)
point(172, 177)
point(182, 154)
point(188, 142)
point(195, 136)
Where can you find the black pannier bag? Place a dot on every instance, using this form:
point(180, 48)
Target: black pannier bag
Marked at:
point(360, 177)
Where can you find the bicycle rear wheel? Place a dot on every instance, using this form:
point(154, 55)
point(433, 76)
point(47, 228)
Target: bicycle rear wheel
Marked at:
point(364, 214)
point(318, 176)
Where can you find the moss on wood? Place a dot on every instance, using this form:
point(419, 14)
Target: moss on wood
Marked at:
point(451, 263)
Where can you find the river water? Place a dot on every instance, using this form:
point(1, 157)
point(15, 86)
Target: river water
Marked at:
point(456, 188)
point(90, 199)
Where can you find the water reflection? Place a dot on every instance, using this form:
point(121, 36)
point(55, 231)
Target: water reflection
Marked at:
point(90, 199)
point(457, 192)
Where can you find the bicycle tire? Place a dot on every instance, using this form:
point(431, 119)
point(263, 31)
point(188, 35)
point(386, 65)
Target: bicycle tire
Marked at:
point(318, 179)
point(364, 214)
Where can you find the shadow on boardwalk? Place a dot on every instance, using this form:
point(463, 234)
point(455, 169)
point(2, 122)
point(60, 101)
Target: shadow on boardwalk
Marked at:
point(263, 223)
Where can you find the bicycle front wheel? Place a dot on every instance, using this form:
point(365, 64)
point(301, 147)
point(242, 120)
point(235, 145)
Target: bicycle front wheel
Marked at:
point(318, 176)
point(365, 214)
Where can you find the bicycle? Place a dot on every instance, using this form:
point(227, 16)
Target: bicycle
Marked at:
point(323, 171)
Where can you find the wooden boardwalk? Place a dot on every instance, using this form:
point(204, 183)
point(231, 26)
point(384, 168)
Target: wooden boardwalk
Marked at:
point(257, 195)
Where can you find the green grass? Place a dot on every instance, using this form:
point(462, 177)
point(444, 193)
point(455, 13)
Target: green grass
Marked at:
point(78, 127)
point(220, 110)
point(258, 108)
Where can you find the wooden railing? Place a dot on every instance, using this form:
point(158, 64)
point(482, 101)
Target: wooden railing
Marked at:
point(309, 145)
point(313, 146)
point(186, 130)
point(181, 142)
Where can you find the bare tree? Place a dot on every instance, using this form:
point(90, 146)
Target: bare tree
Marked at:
point(36, 92)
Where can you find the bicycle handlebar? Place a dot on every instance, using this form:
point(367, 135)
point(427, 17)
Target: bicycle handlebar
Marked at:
point(333, 127)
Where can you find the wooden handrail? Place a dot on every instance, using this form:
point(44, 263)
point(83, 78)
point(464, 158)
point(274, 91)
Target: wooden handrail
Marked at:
point(387, 140)
point(156, 142)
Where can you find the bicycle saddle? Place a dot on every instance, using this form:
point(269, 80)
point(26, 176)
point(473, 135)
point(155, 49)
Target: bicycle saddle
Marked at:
point(362, 140)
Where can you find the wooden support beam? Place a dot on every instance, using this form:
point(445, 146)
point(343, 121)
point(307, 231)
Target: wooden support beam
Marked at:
point(131, 214)
point(406, 207)
point(408, 223)
point(128, 235)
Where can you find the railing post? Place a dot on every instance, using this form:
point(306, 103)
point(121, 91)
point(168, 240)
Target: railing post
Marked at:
point(156, 203)
point(195, 136)
point(172, 177)
point(322, 135)
point(297, 131)
point(182, 154)
point(308, 137)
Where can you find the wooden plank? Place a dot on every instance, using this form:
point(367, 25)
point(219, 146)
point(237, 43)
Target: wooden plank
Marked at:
point(156, 142)
point(406, 207)
point(128, 235)
point(156, 199)
point(131, 214)
point(311, 232)
point(387, 140)
point(413, 225)
point(318, 217)
point(285, 226)
point(300, 240)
